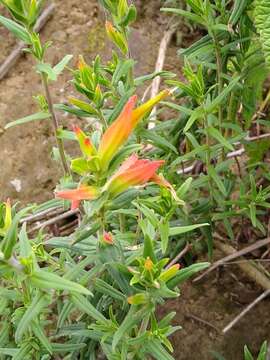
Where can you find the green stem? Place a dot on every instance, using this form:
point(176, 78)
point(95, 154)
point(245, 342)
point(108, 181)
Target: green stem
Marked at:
point(219, 79)
point(208, 157)
point(60, 144)
point(102, 119)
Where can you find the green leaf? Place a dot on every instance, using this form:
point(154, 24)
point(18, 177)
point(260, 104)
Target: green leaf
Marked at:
point(197, 113)
point(187, 14)
point(86, 307)
point(25, 247)
point(121, 70)
point(155, 348)
point(24, 352)
point(247, 354)
point(16, 29)
point(213, 174)
point(164, 230)
point(34, 117)
point(9, 351)
point(107, 289)
point(47, 280)
point(140, 80)
point(62, 64)
point(132, 318)
point(148, 213)
point(222, 96)
point(263, 352)
point(220, 138)
point(39, 333)
point(183, 189)
point(67, 347)
point(148, 248)
point(48, 70)
point(252, 211)
point(157, 140)
point(186, 273)
point(184, 229)
point(72, 110)
point(36, 306)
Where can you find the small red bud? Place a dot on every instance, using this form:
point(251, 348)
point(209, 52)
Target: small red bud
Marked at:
point(108, 238)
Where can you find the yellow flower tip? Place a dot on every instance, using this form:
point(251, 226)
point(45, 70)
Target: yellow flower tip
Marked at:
point(81, 63)
point(108, 238)
point(130, 300)
point(148, 265)
point(109, 27)
point(142, 110)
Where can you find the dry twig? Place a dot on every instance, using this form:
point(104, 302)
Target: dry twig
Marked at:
point(204, 322)
point(232, 154)
point(165, 41)
point(233, 254)
point(245, 311)
point(55, 220)
point(179, 256)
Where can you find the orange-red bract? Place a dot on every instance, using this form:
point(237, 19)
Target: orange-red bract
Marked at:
point(83, 192)
point(133, 172)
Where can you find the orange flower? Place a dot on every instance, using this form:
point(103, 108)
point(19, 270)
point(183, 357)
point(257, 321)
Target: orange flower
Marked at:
point(81, 63)
point(118, 133)
point(148, 265)
point(83, 192)
point(131, 173)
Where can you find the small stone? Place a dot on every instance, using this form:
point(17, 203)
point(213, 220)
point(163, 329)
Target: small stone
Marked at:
point(17, 184)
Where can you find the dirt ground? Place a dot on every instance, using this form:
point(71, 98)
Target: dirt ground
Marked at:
point(27, 172)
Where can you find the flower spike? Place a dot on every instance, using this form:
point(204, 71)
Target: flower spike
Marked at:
point(118, 133)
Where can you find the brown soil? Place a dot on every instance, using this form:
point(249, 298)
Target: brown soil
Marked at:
point(77, 28)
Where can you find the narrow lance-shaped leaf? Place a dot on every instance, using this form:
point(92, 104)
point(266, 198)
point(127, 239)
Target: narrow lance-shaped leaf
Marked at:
point(47, 280)
point(220, 138)
point(36, 306)
point(16, 29)
point(37, 116)
point(183, 229)
point(157, 350)
point(186, 273)
point(85, 306)
point(132, 318)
